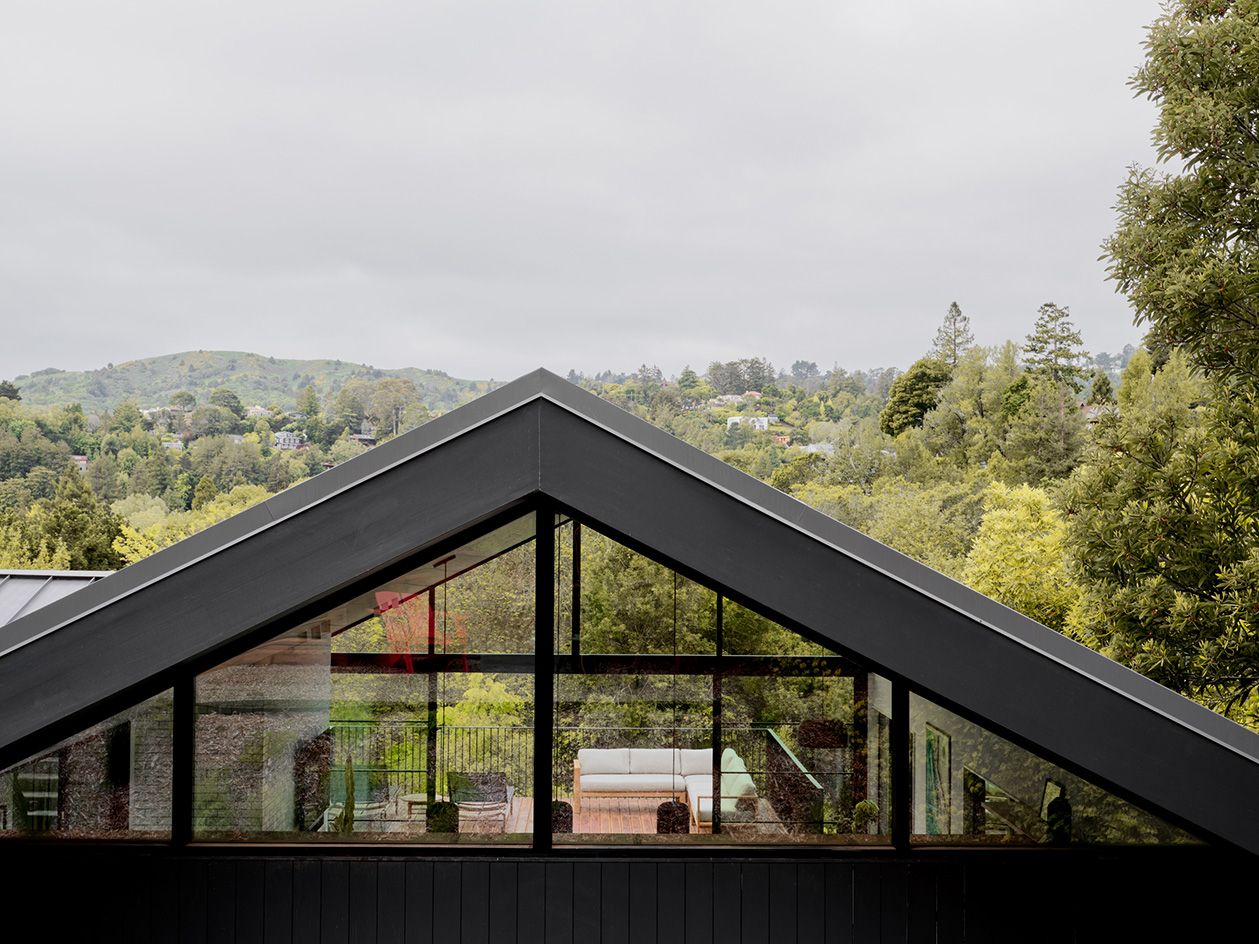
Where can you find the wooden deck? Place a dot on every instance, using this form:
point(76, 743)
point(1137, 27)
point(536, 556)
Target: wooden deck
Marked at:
point(602, 816)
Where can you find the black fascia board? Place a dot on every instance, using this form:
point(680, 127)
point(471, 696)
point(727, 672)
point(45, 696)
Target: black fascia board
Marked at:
point(955, 646)
point(541, 434)
point(126, 644)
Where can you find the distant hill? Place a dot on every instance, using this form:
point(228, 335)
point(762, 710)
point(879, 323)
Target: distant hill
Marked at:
point(254, 378)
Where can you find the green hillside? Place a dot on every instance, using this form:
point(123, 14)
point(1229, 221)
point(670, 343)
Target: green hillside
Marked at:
point(150, 382)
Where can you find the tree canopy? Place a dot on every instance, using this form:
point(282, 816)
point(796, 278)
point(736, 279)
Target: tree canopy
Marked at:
point(1185, 251)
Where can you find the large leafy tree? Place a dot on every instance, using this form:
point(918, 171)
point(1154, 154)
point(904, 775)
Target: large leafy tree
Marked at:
point(1164, 533)
point(1018, 557)
point(1185, 250)
point(913, 395)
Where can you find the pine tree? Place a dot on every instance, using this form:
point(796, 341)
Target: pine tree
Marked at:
point(954, 337)
point(1054, 349)
point(1102, 391)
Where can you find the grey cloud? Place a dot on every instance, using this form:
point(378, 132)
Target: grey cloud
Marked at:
point(488, 187)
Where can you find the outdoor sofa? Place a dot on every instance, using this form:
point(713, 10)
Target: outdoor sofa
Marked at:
point(685, 775)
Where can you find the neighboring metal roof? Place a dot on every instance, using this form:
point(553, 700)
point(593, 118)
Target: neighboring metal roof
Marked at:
point(539, 438)
point(24, 591)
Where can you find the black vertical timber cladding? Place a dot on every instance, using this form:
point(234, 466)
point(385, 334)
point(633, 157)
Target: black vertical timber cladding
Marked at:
point(419, 902)
point(614, 895)
point(362, 902)
point(447, 899)
point(586, 894)
point(334, 902)
point(475, 898)
point(249, 901)
point(135, 925)
point(670, 903)
point(503, 901)
point(531, 903)
point(307, 895)
point(783, 906)
point(810, 902)
point(277, 883)
point(894, 902)
point(221, 902)
point(727, 893)
point(839, 903)
point(559, 902)
point(945, 898)
point(699, 903)
point(754, 903)
point(922, 904)
point(950, 901)
point(642, 901)
point(165, 903)
point(867, 904)
point(391, 903)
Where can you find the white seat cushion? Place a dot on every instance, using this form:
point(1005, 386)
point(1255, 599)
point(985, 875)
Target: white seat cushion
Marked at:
point(601, 760)
point(696, 762)
point(730, 812)
point(630, 783)
point(652, 760)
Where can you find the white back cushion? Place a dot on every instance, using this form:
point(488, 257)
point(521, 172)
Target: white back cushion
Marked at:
point(651, 760)
point(737, 782)
point(696, 762)
point(604, 760)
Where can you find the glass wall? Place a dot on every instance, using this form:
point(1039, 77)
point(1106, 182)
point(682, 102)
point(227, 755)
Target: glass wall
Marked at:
point(404, 714)
point(407, 713)
point(972, 787)
point(657, 711)
point(112, 781)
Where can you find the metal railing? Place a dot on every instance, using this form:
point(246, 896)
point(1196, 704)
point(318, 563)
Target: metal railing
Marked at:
point(391, 756)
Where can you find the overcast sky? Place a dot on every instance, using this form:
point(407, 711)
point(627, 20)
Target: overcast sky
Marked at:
point(488, 187)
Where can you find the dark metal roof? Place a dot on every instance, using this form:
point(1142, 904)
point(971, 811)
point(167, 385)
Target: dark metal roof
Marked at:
point(24, 591)
point(189, 605)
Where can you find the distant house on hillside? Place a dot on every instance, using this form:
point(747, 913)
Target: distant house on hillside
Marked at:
point(257, 411)
point(1095, 411)
point(756, 422)
point(286, 441)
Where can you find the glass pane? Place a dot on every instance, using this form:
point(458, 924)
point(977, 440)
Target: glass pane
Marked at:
point(624, 744)
point(745, 632)
point(801, 758)
point(972, 787)
point(649, 716)
point(630, 604)
point(113, 781)
point(404, 714)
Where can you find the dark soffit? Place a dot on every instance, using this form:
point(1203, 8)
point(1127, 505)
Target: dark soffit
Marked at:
point(540, 434)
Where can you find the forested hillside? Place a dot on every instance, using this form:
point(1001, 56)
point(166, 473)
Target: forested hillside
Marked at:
point(268, 381)
point(1113, 498)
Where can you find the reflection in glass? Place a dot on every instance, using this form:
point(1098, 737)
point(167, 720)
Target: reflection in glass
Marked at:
point(112, 781)
point(655, 715)
point(971, 786)
point(403, 714)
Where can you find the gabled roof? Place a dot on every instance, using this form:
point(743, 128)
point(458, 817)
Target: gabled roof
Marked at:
point(188, 606)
